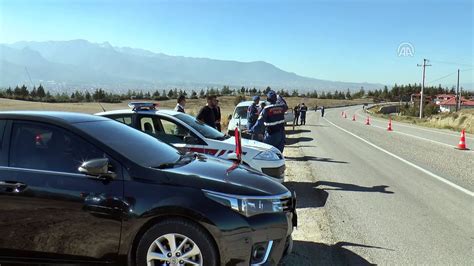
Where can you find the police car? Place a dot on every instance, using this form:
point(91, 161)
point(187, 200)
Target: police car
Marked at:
point(239, 117)
point(186, 133)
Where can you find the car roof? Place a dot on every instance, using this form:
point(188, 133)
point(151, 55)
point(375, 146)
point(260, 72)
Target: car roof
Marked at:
point(130, 111)
point(245, 103)
point(248, 103)
point(68, 117)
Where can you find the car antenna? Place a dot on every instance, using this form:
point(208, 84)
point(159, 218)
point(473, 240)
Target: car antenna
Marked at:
point(103, 109)
point(32, 85)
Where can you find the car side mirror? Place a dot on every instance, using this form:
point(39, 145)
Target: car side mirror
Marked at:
point(190, 140)
point(98, 168)
point(229, 117)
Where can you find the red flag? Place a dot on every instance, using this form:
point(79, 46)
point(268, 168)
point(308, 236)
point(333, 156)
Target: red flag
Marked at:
point(238, 144)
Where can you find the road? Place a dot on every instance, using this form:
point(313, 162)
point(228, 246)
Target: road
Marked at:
point(400, 197)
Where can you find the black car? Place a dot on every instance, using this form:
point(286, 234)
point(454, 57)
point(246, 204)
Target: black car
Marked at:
point(77, 188)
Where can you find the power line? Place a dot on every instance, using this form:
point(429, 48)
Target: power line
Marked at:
point(450, 74)
point(451, 63)
point(443, 77)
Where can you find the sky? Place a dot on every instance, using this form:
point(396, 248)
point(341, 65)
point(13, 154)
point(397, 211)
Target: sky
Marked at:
point(340, 40)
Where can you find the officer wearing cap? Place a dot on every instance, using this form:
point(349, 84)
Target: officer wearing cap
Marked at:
point(273, 118)
point(252, 114)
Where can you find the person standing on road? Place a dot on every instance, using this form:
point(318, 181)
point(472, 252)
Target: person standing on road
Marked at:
point(252, 115)
point(217, 113)
point(261, 131)
point(181, 104)
point(303, 110)
point(296, 112)
point(207, 115)
point(273, 118)
point(322, 111)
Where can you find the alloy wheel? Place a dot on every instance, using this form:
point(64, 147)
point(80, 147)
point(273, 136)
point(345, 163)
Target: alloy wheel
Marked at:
point(175, 250)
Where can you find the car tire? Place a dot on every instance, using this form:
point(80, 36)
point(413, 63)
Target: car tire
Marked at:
point(197, 242)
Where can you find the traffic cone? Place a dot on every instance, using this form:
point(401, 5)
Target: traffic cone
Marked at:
point(354, 118)
point(389, 124)
point(462, 141)
point(367, 121)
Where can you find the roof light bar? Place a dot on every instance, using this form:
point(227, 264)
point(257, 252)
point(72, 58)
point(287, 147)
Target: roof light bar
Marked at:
point(136, 106)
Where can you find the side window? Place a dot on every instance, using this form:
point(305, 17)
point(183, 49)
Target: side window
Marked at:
point(172, 133)
point(46, 147)
point(171, 128)
point(125, 119)
point(148, 125)
point(2, 131)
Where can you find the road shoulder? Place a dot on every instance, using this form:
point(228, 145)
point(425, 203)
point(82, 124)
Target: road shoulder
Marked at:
point(313, 239)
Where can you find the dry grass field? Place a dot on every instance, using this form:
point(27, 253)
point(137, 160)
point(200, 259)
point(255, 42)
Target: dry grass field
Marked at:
point(192, 105)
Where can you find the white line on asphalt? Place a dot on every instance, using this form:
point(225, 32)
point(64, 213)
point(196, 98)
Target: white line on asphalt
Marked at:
point(416, 127)
point(413, 136)
point(405, 161)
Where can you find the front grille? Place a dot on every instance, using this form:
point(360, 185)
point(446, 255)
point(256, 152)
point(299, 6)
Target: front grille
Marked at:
point(286, 204)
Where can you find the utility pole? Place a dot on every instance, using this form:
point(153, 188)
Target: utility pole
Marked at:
point(458, 95)
point(422, 86)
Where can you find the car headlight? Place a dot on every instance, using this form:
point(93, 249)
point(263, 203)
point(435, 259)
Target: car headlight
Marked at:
point(248, 205)
point(268, 155)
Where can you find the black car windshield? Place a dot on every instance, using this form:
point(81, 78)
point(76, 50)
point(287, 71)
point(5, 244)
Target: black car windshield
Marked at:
point(205, 130)
point(133, 144)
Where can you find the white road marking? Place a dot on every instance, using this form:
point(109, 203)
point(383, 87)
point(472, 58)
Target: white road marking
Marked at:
point(470, 193)
point(413, 136)
point(416, 127)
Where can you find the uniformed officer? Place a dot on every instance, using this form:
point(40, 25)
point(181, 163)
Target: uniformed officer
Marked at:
point(273, 118)
point(181, 103)
point(303, 110)
point(252, 114)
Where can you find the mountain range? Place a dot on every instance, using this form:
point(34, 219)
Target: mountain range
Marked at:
point(63, 65)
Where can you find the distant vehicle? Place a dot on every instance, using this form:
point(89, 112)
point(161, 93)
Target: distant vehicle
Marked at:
point(239, 117)
point(79, 189)
point(188, 134)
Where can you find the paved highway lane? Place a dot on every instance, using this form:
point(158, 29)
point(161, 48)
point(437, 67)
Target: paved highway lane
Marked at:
point(391, 198)
point(432, 135)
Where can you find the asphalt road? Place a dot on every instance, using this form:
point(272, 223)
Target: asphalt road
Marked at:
point(400, 197)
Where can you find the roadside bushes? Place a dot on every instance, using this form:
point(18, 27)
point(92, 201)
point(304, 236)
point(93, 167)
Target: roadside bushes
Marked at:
point(239, 98)
point(414, 110)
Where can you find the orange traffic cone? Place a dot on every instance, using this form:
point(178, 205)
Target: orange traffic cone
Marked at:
point(389, 124)
point(462, 141)
point(367, 121)
point(354, 118)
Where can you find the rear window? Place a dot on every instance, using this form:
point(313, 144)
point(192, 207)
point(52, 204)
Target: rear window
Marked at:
point(131, 143)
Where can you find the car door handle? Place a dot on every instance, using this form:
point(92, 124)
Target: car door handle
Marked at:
point(12, 186)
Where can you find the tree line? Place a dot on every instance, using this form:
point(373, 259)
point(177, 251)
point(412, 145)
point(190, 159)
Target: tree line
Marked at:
point(396, 93)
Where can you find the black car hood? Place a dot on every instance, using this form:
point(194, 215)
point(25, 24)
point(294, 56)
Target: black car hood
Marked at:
point(220, 175)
